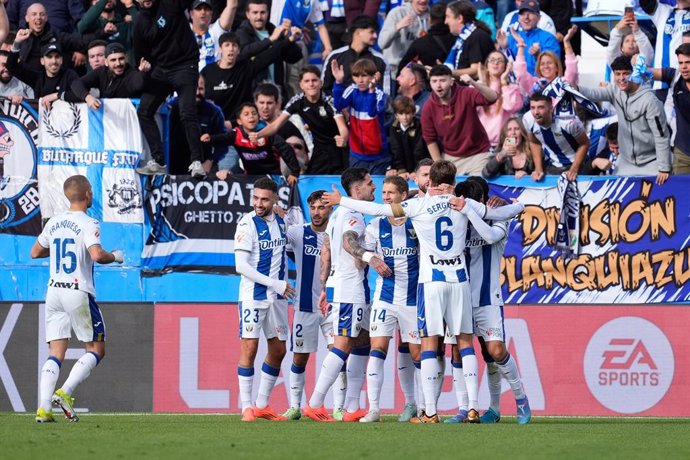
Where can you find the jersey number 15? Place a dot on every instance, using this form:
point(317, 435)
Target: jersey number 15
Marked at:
point(65, 257)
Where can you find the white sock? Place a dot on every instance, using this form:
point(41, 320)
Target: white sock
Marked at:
point(375, 377)
point(245, 375)
point(269, 375)
point(429, 381)
point(340, 389)
point(49, 376)
point(459, 386)
point(329, 372)
point(494, 382)
point(296, 386)
point(418, 385)
point(441, 375)
point(356, 368)
point(470, 368)
point(406, 371)
point(509, 370)
point(80, 372)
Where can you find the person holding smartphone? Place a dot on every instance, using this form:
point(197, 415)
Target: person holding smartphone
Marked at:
point(513, 155)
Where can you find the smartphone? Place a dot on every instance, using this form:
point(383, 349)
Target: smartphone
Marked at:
point(629, 13)
point(511, 140)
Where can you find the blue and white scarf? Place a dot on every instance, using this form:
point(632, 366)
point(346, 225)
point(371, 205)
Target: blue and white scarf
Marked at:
point(565, 96)
point(640, 74)
point(568, 233)
point(453, 58)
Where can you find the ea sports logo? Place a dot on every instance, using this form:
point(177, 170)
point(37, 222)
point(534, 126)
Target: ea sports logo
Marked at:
point(629, 365)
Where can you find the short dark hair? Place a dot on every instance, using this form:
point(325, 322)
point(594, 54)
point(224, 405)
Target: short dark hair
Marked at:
point(351, 176)
point(423, 162)
point(442, 172)
point(315, 196)
point(420, 74)
point(364, 66)
point(683, 49)
point(399, 182)
point(539, 97)
point(437, 13)
point(267, 89)
point(266, 183)
point(612, 132)
point(469, 189)
point(621, 63)
point(243, 105)
point(364, 22)
point(483, 184)
point(5, 53)
point(440, 70)
point(256, 2)
point(229, 37)
point(309, 69)
point(403, 104)
point(95, 43)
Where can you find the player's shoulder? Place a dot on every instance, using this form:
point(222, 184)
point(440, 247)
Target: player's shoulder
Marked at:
point(245, 223)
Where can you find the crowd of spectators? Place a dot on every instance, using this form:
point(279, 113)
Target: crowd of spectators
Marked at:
point(313, 87)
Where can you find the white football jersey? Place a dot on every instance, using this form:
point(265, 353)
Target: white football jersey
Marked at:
point(306, 244)
point(558, 140)
point(441, 232)
point(398, 247)
point(484, 262)
point(346, 283)
point(265, 241)
point(69, 236)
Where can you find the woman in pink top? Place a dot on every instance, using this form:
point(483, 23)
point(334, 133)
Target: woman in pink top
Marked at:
point(494, 74)
point(548, 64)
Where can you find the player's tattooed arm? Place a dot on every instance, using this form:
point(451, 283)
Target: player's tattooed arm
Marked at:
point(325, 261)
point(353, 247)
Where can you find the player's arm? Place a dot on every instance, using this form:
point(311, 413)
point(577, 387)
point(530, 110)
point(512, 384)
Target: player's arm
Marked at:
point(356, 250)
point(491, 233)
point(244, 268)
point(365, 207)
point(325, 261)
point(272, 127)
point(38, 251)
point(100, 255)
point(503, 212)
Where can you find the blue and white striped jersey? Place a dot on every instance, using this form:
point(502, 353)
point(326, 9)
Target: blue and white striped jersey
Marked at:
point(398, 246)
point(265, 240)
point(347, 283)
point(557, 140)
point(306, 244)
point(484, 262)
point(209, 50)
point(670, 25)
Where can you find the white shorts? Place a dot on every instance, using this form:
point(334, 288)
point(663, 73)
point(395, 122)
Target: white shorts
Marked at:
point(306, 326)
point(488, 323)
point(349, 319)
point(385, 317)
point(67, 308)
point(440, 301)
point(269, 316)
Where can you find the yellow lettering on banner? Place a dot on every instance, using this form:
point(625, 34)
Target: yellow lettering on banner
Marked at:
point(606, 278)
point(641, 269)
point(664, 259)
point(554, 269)
point(681, 270)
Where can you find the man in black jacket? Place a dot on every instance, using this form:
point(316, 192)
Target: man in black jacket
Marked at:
point(433, 47)
point(53, 81)
point(255, 35)
point(116, 79)
point(162, 36)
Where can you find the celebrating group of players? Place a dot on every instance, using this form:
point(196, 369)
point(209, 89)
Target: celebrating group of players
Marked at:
point(438, 259)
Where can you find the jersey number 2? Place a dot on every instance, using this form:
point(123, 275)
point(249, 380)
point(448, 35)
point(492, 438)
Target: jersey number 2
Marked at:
point(65, 258)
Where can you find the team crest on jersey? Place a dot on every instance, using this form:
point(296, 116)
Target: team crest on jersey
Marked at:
point(124, 196)
point(19, 200)
point(413, 334)
point(161, 22)
point(299, 343)
point(374, 327)
point(249, 328)
point(282, 227)
point(412, 233)
point(281, 330)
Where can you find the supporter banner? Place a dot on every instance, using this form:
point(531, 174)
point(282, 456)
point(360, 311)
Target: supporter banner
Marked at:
point(633, 245)
point(122, 382)
point(104, 145)
point(193, 222)
point(19, 197)
point(574, 360)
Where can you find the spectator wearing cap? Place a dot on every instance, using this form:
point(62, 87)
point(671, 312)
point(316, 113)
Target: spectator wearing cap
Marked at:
point(105, 16)
point(536, 40)
point(473, 43)
point(64, 14)
point(42, 33)
point(10, 86)
point(412, 83)
point(162, 37)
point(229, 81)
point(512, 19)
point(433, 47)
point(364, 34)
point(256, 35)
point(96, 53)
point(50, 84)
point(403, 25)
point(206, 32)
point(116, 79)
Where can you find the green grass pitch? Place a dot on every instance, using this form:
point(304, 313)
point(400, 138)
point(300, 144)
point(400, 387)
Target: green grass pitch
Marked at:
point(199, 437)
